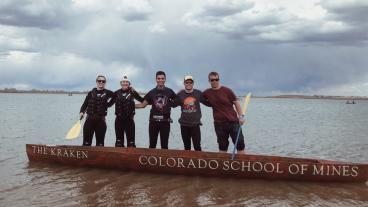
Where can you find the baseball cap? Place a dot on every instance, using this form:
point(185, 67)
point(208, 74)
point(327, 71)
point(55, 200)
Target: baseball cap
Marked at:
point(188, 77)
point(125, 78)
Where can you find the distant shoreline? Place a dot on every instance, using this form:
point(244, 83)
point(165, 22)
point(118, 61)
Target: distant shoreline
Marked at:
point(319, 97)
point(347, 98)
point(36, 91)
point(13, 90)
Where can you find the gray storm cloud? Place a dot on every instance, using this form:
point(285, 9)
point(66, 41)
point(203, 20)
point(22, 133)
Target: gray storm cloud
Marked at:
point(43, 14)
point(338, 23)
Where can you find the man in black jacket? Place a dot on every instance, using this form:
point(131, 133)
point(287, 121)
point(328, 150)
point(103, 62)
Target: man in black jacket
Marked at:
point(125, 111)
point(96, 103)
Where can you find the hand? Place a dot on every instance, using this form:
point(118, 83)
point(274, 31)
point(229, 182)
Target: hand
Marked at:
point(81, 114)
point(241, 120)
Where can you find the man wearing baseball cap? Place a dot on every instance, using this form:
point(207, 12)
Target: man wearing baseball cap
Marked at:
point(125, 111)
point(190, 119)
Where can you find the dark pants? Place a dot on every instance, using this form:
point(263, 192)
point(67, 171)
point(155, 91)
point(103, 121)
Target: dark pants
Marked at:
point(127, 126)
point(97, 126)
point(189, 134)
point(226, 129)
point(163, 128)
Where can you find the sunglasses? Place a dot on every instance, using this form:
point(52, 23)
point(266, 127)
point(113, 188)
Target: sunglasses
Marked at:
point(188, 82)
point(213, 80)
point(101, 81)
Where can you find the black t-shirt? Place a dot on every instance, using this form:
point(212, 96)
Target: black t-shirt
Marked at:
point(161, 101)
point(190, 107)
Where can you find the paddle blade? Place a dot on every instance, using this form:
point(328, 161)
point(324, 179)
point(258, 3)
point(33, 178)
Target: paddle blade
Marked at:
point(74, 131)
point(246, 101)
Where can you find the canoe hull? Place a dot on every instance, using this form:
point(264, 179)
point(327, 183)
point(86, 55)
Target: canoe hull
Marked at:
point(200, 163)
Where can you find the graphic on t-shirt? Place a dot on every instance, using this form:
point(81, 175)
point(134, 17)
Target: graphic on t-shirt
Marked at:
point(189, 105)
point(160, 102)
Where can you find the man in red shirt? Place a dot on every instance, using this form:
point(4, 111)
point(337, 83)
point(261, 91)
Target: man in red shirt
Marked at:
point(227, 120)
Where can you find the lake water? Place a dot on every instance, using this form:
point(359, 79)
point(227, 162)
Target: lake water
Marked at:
point(326, 129)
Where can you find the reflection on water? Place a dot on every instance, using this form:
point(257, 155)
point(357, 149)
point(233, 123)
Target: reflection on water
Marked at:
point(60, 185)
point(325, 129)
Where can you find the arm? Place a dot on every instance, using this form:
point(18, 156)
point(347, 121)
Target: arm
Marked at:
point(84, 106)
point(112, 99)
point(141, 105)
point(239, 111)
point(205, 101)
point(238, 107)
point(137, 96)
point(175, 101)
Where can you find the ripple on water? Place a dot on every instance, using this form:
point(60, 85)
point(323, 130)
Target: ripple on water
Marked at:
point(205, 199)
point(7, 159)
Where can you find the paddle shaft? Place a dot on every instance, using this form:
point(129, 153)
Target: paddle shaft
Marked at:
point(246, 101)
point(236, 142)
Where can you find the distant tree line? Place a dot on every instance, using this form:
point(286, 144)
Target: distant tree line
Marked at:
point(46, 91)
point(321, 97)
point(14, 90)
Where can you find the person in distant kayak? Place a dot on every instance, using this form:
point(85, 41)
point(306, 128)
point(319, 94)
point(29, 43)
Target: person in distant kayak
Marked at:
point(95, 105)
point(125, 111)
point(226, 120)
point(190, 119)
point(161, 98)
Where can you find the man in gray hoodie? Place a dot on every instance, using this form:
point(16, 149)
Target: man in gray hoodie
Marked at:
point(190, 119)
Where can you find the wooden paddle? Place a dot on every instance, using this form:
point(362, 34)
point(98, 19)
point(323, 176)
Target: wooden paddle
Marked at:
point(245, 106)
point(75, 130)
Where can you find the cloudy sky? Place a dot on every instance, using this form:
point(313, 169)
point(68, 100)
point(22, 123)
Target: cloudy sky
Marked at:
point(267, 47)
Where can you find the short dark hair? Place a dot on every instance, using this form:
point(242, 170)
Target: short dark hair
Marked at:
point(160, 73)
point(213, 74)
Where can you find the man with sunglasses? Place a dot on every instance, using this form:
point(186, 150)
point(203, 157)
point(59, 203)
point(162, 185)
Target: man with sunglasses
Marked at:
point(226, 120)
point(190, 119)
point(95, 105)
point(161, 98)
